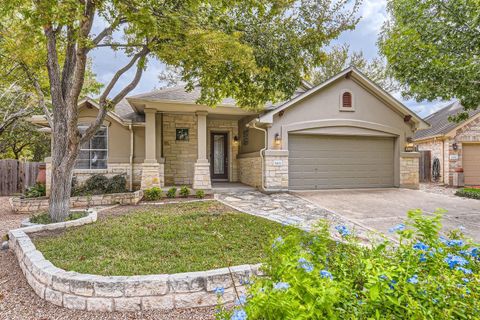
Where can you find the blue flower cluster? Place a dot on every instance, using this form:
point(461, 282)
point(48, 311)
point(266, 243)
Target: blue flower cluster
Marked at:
point(242, 300)
point(326, 274)
point(454, 260)
point(343, 230)
point(277, 242)
point(239, 314)
point(420, 246)
point(305, 265)
point(281, 286)
point(397, 228)
point(413, 279)
point(219, 291)
point(464, 270)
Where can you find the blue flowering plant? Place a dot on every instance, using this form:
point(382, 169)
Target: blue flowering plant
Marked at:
point(425, 275)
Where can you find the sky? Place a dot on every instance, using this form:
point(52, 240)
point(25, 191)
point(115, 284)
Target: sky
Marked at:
point(363, 38)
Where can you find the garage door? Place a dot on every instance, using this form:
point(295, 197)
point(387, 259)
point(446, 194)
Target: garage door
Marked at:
point(329, 162)
point(471, 164)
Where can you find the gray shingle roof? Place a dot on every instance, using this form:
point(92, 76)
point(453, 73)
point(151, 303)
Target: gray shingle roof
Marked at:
point(126, 112)
point(178, 93)
point(439, 122)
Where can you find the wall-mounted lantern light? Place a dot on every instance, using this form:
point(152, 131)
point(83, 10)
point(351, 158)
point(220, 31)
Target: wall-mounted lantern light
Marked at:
point(455, 146)
point(235, 140)
point(278, 140)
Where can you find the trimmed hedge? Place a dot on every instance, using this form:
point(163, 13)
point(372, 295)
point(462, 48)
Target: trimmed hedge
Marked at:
point(469, 193)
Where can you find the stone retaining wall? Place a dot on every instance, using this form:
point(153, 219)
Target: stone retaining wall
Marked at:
point(73, 290)
point(31, 205)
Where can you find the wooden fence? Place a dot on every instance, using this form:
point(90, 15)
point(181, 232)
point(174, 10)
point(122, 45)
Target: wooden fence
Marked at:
point(425, 169)
point(16, 176)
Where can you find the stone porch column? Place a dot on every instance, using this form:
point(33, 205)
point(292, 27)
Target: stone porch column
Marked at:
point(152, 169)
point(201, 176)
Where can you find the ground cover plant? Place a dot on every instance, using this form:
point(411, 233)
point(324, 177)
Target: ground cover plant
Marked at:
point(473, 193)
point(163, 239)
point(44, 217)
point(36, 191)
point(309, 276)
point(100, 184)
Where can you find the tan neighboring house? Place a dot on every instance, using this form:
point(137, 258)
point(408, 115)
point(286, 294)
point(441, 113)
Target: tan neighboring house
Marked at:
point(344, 133)
point(456, 145)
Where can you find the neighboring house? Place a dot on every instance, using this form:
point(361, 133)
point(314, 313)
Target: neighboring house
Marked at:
point(344, 133)
point(456, 145)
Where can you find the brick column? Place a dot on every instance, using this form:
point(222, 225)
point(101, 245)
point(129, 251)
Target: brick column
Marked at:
point(409, 170)
point(201, 176)
point(152, 169)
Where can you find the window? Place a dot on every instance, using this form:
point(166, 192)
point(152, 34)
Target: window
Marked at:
point(346, 100)
point(93, 153)
point(181, 134)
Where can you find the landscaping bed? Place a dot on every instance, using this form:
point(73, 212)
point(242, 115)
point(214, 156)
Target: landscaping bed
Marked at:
point(163, 239)
point(472, 193)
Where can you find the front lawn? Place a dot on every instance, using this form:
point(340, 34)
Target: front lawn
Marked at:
point(473, 193)
point(164, 239)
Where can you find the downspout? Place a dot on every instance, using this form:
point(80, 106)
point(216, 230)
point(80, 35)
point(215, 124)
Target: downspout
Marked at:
point(130, 182)
point(253, 125)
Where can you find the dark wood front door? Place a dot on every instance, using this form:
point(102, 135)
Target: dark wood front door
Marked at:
point(219, 155)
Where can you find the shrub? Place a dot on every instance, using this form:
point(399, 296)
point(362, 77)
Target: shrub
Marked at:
point(200, 194)
point(309, 276)
point(116, 184)
point(184, 191)
point(172, 192)
point(35, 191)
point(152, 194)
point(96, 184)
point(468, 193)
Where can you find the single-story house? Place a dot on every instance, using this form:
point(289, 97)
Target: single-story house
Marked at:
point(343, 133)
point(456, 145)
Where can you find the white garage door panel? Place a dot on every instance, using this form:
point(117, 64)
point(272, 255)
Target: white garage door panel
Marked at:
point(471, 164)
point(324, 162)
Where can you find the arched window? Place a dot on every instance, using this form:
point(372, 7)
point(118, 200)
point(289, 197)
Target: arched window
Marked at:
point(346, 100)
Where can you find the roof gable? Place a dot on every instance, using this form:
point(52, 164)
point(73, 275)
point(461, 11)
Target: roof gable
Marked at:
point(355, 74)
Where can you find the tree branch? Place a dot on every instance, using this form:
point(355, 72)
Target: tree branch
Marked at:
point(40, 95)
point(141, 56)
point(108, 30)
point(69, 62)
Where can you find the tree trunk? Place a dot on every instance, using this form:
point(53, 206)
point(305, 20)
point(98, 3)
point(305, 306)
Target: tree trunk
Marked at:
point(61, 186)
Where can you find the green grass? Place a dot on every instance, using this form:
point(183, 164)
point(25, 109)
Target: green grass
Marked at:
point(473, 193)
point(165, 239)
point(44, 217)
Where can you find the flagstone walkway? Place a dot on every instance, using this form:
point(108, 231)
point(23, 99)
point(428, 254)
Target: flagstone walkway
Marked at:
point(288, 209)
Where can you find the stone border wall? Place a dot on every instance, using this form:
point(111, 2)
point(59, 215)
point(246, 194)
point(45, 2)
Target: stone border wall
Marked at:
point(409, 170)
point(73, 290)
point(31, 205)
point(250, 169)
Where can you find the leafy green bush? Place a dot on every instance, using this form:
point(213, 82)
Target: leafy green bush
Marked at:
point(172, 192)
point(116, 184)
point(153, 194)
point(35, 191)
point(200, 194)
point(310, 276)
point(184, 191)
point(469, 193)
point(44, 217)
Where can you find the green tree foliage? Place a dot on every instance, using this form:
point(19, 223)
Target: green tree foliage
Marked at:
point(433, 49)
point(23, 140)
point(340, 58)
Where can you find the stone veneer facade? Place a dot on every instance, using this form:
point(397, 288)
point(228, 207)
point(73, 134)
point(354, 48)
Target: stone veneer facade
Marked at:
point(276, 170)
point(409, 170)
point(78, 291)
point(250, 169)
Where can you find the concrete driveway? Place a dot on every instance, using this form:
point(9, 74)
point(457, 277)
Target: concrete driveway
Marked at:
point(381, 209)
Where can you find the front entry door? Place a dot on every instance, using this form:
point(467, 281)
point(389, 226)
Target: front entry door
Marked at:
point(219, 155)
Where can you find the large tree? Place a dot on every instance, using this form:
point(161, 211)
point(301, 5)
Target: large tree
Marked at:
point(433, 49)
point(254, 51)
point(24, 140)
point(341, 57)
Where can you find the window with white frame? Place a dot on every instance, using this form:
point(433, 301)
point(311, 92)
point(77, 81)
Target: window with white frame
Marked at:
point(93, 153)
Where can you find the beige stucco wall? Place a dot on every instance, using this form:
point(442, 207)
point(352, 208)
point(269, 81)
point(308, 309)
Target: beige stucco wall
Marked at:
point(322, 109)
point(256, 138)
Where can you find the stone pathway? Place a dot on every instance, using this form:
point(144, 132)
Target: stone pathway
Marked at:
point(289, 209)
point(438, 188)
